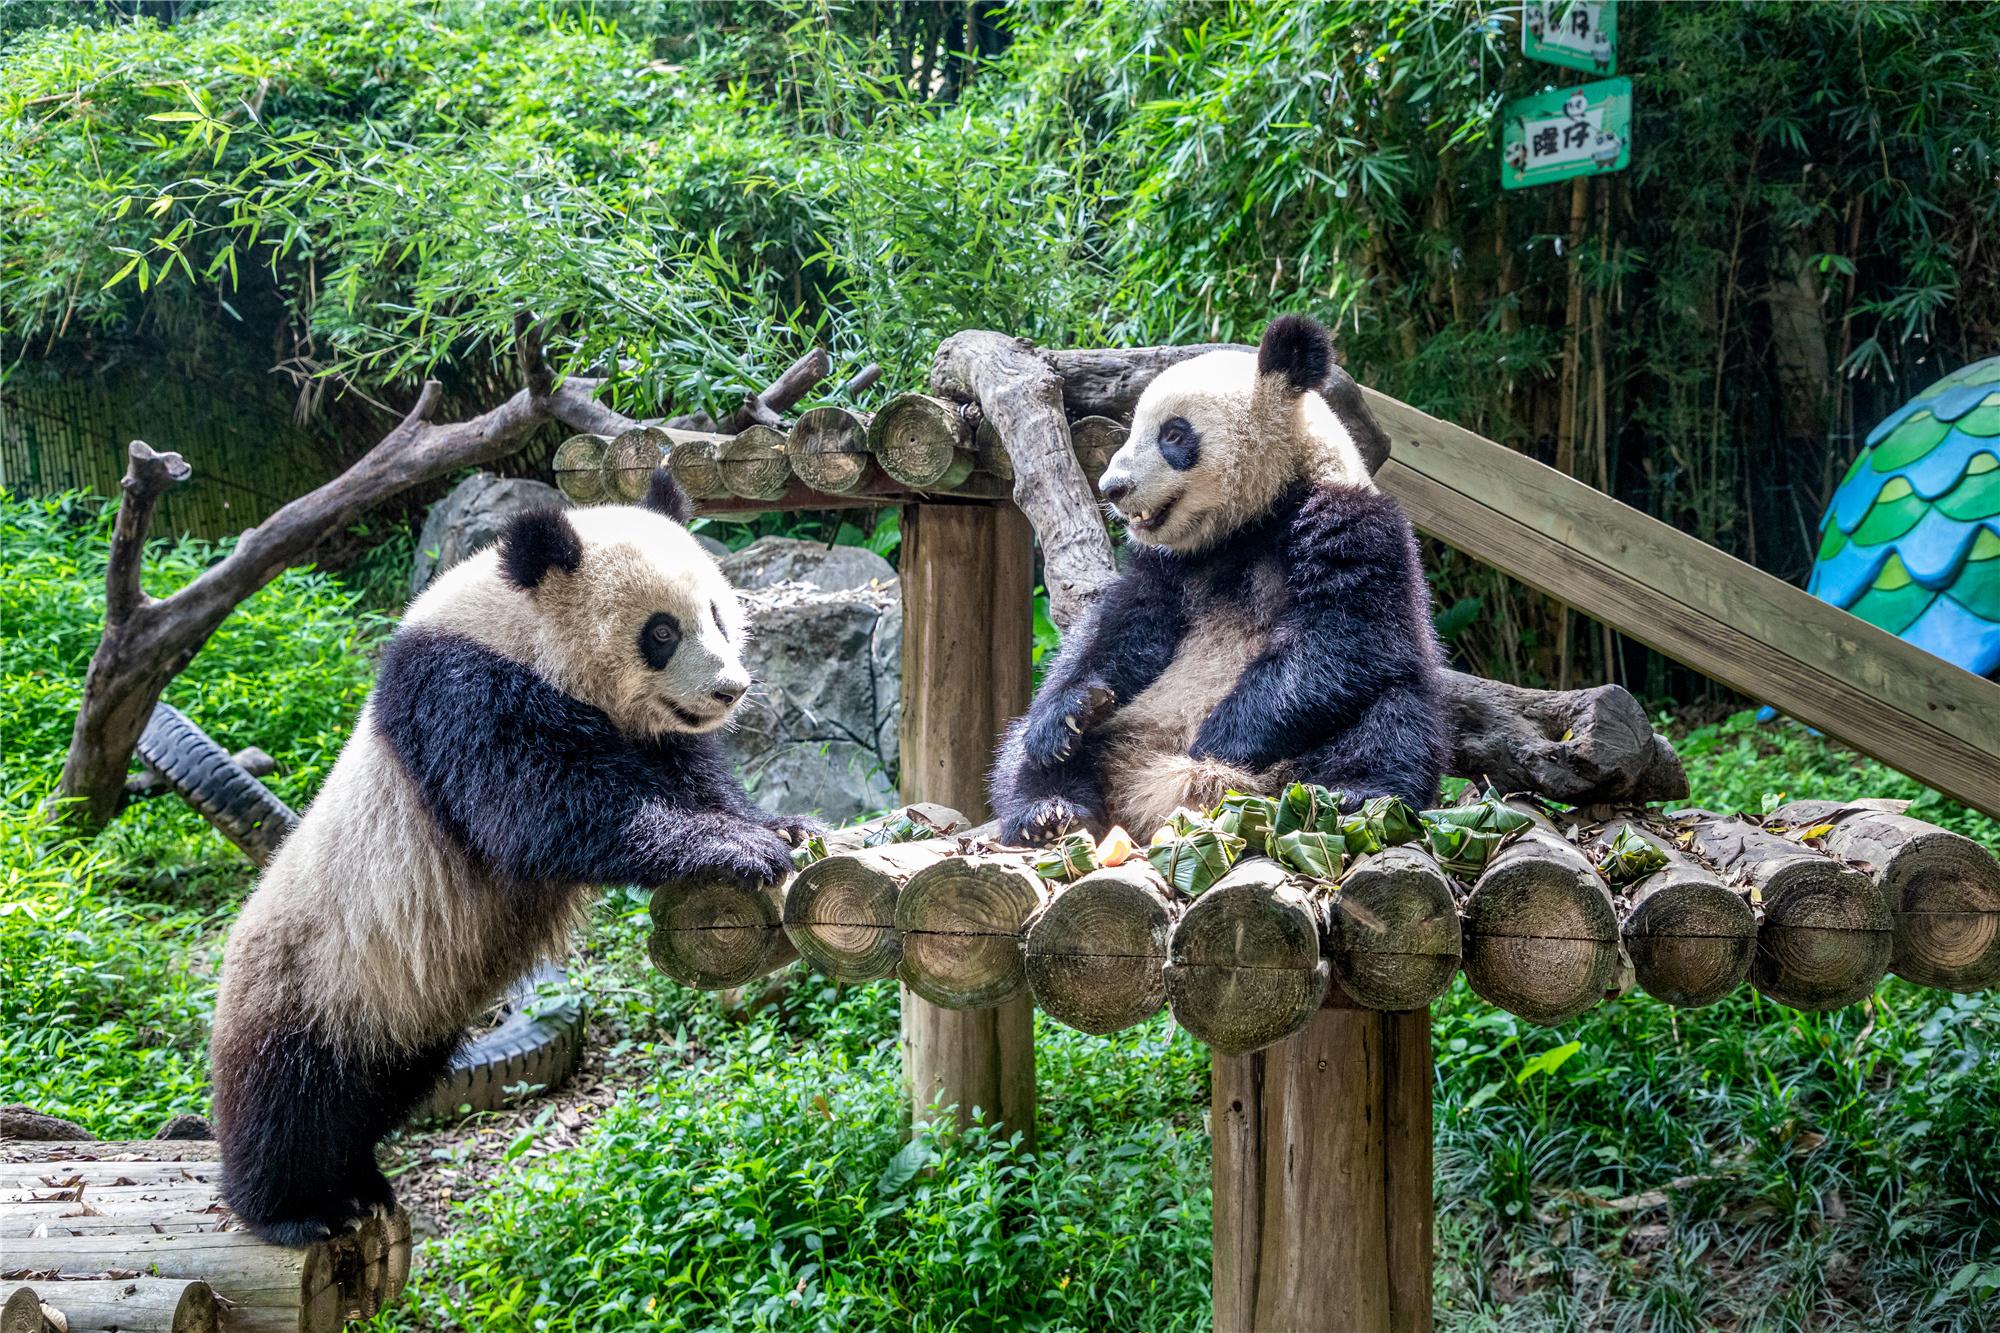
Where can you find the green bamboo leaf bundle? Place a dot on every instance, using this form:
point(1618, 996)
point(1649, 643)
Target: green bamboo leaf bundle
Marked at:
point(1071, 859)
point(1463, 838)
point(1631, 857)
point(904, 826)
point(1249, 817)
point(1314, 855)
point(811, 850)
point(1307, 807)
point(1383, 821)
point(1191, 852)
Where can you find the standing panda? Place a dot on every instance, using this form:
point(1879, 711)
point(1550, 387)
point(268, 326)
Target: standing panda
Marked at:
point(541, 723)
point(1273, 624)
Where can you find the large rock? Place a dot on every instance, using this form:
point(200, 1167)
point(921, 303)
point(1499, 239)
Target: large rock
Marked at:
point(769, 561)
point(819, 733)
point(471, 518)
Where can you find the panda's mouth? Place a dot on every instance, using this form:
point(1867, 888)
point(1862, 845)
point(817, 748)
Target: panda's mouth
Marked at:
point(690, 720)
point(1149, 520)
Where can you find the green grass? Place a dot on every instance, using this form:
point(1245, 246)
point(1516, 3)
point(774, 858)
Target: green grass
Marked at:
point(108, 951)
point(1839, 1171)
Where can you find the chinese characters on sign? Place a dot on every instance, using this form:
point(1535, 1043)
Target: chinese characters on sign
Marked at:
point(1579, 34)
point(1579, 131)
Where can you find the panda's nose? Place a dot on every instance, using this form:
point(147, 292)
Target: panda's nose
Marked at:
point(1114, 489)
point(727, 695)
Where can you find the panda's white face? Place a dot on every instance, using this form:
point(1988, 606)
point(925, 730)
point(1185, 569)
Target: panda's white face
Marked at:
point(617, 606)
point(1215, 439)
point(646, 628)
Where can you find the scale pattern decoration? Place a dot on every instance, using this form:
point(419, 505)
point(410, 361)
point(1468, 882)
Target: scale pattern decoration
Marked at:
point(1911, 539)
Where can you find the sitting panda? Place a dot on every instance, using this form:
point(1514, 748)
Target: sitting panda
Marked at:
point(1272, 624)
point(542, 722)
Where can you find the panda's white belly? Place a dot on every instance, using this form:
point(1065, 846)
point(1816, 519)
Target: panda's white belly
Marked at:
point(371, 917)
point(1146, 770)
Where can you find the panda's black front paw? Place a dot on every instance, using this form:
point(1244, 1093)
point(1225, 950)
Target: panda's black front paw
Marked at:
point(1054, 734)
point(794, 829)
point(1043, 822)
point(749, 854)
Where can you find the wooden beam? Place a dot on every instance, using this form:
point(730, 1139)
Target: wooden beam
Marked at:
point(1757, 634)
point(1323, 1178)
point(968, 606)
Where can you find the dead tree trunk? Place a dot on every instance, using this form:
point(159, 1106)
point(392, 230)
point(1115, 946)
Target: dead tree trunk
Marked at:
point(148, 641)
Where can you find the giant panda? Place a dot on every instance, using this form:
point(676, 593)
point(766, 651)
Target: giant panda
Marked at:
point(542, 722)
point(1272, 623)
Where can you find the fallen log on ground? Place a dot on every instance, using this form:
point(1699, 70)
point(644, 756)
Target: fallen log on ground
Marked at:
point(1824, 933)
point(1943, 889)
point(113, 1305)
point(75, 1215)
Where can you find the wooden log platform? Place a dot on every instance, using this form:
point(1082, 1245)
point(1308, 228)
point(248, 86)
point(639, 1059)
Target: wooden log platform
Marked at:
point(1943, 889)
point(1689, 936)
point(713, 936)
point(1095, 953)
point(1541, 933)
point(1824, 933)
point(134, 1235)
point(1699, 905)
point(1245, 967)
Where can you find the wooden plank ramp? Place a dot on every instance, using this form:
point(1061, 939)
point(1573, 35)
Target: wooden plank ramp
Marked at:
point(1680, 596)
point(134, 1236)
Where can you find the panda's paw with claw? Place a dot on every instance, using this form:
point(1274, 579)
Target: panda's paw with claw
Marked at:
point(1044, 822)
point(794, 829)
point(1053, 736)
point(747, 853)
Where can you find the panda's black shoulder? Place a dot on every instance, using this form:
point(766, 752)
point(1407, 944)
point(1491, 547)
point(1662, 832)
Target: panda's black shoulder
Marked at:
point(1356, 525)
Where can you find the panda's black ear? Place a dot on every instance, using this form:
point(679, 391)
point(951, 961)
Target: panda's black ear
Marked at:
point(1297, 347)
point(537, 541)
point(665, 496)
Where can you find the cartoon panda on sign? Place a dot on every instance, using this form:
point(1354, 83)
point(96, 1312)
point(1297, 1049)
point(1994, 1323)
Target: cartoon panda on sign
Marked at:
point(542, 722)
point(1273, 624)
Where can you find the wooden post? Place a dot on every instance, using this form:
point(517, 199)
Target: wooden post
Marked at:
point(1323, 1177)
point(968, 620)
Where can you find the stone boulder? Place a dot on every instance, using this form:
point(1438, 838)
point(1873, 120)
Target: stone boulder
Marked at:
point(818, 735)
point(769, 561)
point(471, 518)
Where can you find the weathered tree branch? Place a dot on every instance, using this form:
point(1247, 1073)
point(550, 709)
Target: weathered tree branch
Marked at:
point(1022, 399)
point(148, 475)
point(147, 642)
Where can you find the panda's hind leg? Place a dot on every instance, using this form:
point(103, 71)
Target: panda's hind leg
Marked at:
point(298, 1118)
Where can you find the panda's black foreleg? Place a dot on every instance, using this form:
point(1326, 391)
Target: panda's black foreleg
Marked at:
point(1397, 746)
point(298, 1120)
point(1038, 803)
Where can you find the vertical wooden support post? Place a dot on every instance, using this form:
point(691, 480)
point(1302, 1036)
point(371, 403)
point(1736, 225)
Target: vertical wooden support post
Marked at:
point(1323, 1178)
point(968, 625)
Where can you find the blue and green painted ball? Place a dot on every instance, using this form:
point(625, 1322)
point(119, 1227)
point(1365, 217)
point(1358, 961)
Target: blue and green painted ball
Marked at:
point(1911, 539)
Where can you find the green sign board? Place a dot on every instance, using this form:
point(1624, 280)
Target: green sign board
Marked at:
point(1577, 34)
point(1580, 131)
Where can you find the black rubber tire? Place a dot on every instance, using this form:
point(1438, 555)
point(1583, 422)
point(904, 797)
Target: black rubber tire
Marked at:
point(241, 808)
point(540, 1052)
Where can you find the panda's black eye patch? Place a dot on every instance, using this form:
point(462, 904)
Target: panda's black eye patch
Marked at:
point(658, 638)
point(1179, 444)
